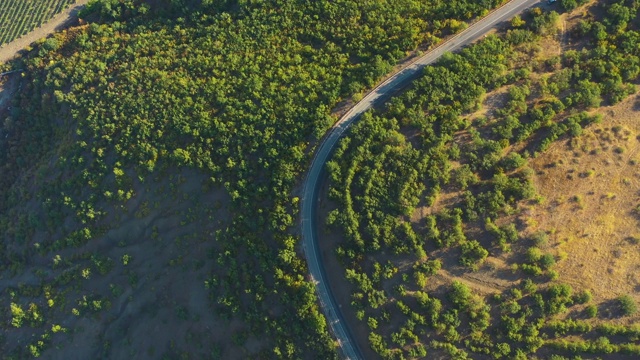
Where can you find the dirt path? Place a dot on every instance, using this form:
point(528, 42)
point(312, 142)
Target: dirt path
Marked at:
point(476, 283)
point(58, 22)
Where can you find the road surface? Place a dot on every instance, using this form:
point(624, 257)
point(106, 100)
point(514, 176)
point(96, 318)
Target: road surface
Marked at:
point(393, 84)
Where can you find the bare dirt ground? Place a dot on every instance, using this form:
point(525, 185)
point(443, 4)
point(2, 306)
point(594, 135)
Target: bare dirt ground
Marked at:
point(154, 303)
point(592, 189)
point(60, 21)
point(479, 282)
point(491, 103)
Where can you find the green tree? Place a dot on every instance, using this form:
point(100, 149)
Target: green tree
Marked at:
point(627, 305)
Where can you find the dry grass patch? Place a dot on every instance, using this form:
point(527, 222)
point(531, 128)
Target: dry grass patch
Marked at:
point(591, 189)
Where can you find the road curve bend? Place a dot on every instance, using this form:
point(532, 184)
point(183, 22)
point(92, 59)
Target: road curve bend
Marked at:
point(397, 81)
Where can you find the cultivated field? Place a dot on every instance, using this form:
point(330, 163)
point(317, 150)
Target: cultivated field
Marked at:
point(18, 17)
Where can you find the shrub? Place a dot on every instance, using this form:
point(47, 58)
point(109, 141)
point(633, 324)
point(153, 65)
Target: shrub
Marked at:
point(547, 261)
point(473, 253)
point(460, 294)
point(18, 315)
point(583, 297)
point(512, 161)
point(533, 254)
point(540, 239)
point(533, 270)
point(591, 311)
point(627, 305)
point(569, 5)
point(529, 286)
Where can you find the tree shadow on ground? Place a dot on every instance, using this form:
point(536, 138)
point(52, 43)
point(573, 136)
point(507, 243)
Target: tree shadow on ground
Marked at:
point(610, 309)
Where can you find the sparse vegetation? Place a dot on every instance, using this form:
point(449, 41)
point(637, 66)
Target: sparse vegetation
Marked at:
point(428, 178)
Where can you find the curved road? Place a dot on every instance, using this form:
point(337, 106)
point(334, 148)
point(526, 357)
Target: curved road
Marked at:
point(387, 88)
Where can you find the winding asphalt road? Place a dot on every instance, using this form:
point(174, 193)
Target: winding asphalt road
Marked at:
point(392, 85)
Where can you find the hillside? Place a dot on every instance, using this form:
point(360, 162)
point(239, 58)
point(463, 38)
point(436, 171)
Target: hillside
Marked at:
point(149, 161)
point(490, 211)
